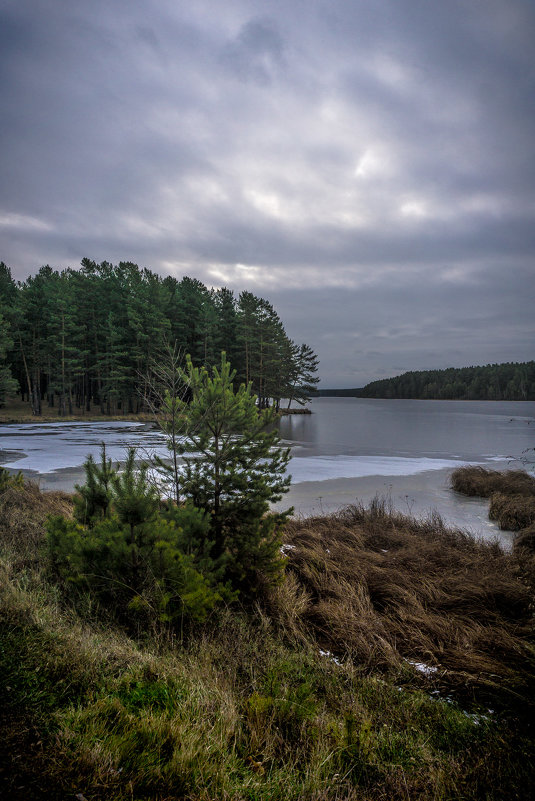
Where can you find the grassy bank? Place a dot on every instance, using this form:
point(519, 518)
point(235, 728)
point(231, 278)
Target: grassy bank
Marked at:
point(368, 673)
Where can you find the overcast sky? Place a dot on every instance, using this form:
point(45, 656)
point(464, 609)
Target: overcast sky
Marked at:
point(366, 165)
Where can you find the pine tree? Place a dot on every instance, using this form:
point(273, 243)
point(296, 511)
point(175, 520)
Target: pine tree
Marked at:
point(8, 321)
point(135, 500)
point(304, 374)
point(164, 389)
point(138, 562)
point(234, 467)
point(93, 499)
point(7, 382)
point(226, 328)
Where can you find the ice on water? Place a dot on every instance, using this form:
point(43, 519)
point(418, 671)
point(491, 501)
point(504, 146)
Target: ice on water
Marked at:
point(321, 468)
point(47, 447)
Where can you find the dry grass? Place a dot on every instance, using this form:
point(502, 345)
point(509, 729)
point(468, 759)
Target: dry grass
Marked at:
point(382, 588)
point(525, 540)
point(23, 513)
point(478, 481)
point(513, 512)
point(511, 493)
point(24, 510)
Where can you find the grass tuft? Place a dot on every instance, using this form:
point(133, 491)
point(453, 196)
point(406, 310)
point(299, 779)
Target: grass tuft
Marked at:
point(384, 589)
point(24, 510)
point(478, 481)
point(513, 512)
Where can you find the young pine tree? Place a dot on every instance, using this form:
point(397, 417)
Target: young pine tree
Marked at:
point(93, 499)
point(234, 466)
point(140, 563)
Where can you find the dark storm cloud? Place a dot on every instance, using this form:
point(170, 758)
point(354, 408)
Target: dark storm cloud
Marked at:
point(368, 167)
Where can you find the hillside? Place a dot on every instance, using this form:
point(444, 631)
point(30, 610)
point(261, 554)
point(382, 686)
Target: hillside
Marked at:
point(395, 660)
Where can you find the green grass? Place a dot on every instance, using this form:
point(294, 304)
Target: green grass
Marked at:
point(249, 707)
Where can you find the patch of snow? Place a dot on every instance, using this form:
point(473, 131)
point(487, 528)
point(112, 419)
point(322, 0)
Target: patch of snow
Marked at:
point(329, 655)
point(427, 670)
point(476, 717)
point(45, 447)
point(285, 548)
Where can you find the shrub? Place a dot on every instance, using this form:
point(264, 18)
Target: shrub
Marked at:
point(8, 480)
point(134, 559)
point(145, 574)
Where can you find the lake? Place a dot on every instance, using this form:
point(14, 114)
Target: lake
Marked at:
point(349, 449)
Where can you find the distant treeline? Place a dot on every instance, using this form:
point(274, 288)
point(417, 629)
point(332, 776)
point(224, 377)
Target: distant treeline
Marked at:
point(77, 338)
point(509, 381)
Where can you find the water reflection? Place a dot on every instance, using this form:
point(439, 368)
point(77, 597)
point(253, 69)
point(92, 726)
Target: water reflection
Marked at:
point(468, 430)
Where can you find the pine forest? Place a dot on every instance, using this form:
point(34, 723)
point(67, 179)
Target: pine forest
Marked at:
point(85, 339)
point(508, 381)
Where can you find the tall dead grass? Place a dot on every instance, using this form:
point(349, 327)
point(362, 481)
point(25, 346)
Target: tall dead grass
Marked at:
point(474, 480)
point(513, 512)
point(512, 498)
point(382, 589)
point(23, 513)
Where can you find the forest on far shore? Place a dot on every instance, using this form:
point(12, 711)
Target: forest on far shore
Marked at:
point(77, 339)
point(508, 381)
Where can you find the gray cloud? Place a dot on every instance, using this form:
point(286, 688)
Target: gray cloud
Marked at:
point(256, 54)
point(368, 167)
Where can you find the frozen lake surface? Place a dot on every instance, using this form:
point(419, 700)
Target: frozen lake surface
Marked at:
point(352, 449)
point(43, 448)
point(349, 449)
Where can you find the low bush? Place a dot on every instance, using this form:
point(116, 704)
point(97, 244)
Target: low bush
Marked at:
point(143, 577)
point(144, 561)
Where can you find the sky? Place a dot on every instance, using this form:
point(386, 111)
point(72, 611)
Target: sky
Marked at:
point(368, 167)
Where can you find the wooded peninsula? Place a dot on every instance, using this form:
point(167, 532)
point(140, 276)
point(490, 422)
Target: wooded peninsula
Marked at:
point(508, 381)
point(85, 339)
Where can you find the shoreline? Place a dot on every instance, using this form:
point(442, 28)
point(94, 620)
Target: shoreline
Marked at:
point(417, 495)
point(143, 417)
